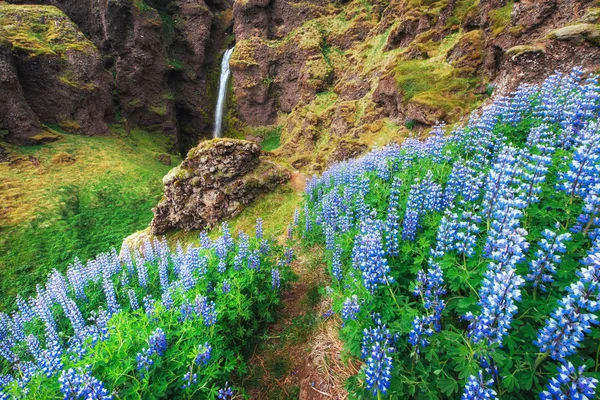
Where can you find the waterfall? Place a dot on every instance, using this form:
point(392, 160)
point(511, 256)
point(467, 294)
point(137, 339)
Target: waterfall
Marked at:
point(222, 92)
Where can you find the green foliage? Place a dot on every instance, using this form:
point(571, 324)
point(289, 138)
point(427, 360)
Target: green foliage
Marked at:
point(79, 209)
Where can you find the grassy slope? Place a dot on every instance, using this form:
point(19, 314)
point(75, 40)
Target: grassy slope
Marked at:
point(57, 210)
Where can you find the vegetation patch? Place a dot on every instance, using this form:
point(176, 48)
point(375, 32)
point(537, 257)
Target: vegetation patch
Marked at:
point(89, 193)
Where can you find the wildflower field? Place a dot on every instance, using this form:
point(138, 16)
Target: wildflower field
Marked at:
point(463, 266)
point(153, 325)
point(468, 265)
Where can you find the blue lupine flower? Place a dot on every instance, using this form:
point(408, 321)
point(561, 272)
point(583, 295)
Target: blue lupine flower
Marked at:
point(190, 379)
point(275, 279)
point(350, 308)
point(167, 300)
point(336, 263)
point(158, 342)
point(584, 169)
point(377, 346)
point(205, 242)
point(149, 305)
point(421, 330)
point(163, 273)
point(392, 224)
point(368, 256)
point(570, 384)
point(206, 309)
point(259, 228)
point(144, 362)
point(25, 309)
point(414, 210)
point(568, 324)
point(498, 294)
point(133, 302)
point(547, 258)
point(226, 286)
point(225, 393)
point(204, 354)
point(142, 272)
point(296, 217)
point(430, 288)
point(478, 388)
point(81, 384)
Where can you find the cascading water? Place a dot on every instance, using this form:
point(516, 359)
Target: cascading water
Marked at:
point(222, 92)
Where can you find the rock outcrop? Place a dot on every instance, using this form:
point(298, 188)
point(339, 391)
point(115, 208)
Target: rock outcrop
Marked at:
point(371, 72)
point(54, 76)
point(213, 183)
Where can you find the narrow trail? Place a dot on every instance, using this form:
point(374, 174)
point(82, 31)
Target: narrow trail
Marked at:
point(300, 357)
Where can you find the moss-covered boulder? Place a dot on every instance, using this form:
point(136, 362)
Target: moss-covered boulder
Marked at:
point(216, 180)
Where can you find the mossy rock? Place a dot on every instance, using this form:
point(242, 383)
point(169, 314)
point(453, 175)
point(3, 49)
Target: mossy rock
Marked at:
point(524, 49)
point(39, 30)
point(589, 32)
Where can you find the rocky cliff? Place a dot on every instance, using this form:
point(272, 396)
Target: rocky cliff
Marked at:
point(50, 72)
point(158, 52)
point(339, 76)
point(330, 77)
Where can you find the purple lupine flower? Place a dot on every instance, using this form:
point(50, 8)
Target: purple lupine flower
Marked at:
point(377, 346)
point(392, 222)
point(133, 302)
point(547, 258)
point(336, 264)
point(275, 279)
point(570, 384)
point(158, 342)
point(368, 256)
point(350, 308)
point(226, 286)
point(478, 388)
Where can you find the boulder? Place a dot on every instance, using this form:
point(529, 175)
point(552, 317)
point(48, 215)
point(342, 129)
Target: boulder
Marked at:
point(216, 180)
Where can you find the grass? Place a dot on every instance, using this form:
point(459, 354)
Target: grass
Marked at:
point(60, 209)
point(500, 18)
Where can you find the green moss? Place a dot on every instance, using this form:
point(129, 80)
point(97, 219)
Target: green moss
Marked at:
point(517, 50)
point(500, 18)
point(160, 109)
point(41, 30)
point(437, 85)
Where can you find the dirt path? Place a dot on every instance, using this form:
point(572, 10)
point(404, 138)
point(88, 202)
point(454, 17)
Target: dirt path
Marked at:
point(300, 356)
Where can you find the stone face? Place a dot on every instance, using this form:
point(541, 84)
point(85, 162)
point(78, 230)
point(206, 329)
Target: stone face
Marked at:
point(16, 116)
point(56, 76)
point(213, 183)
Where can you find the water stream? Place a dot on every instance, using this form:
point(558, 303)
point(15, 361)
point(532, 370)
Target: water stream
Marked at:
point(222, 92)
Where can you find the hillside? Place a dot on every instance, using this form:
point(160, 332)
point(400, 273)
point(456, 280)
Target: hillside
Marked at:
point(404, 203)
